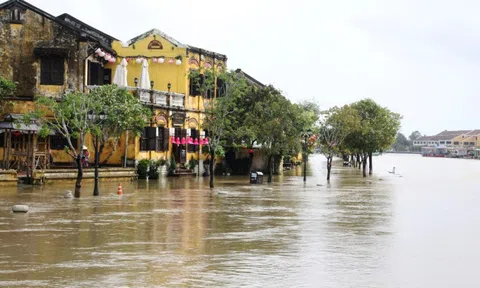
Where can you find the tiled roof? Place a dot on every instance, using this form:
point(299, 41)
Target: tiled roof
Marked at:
point(448, 135)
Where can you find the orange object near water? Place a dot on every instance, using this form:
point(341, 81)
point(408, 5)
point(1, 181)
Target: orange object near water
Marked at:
point(120, 190)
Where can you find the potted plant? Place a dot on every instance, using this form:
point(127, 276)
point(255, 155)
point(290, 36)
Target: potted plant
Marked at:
point(192, 163)
point(163, 170)
point(228, 171)
point(172, 167)
point(153, 171)
point(143, 167)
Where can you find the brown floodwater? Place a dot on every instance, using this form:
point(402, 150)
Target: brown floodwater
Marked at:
point(419, 227)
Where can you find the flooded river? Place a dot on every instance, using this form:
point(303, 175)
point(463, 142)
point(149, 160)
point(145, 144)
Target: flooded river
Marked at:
point(417, 228)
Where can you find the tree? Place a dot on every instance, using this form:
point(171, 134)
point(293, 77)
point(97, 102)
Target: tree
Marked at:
point(415, 135)
point(219, 118)
point(401, 143)
point(7, 89)
point(376, 132)
point(121, 112)
point(114, 112)
point(336, 125)
point(273, 121)
point(68, 117)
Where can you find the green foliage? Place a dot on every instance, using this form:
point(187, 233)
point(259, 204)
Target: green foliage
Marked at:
point(192, 163)
point(146, 167)
point(401, 143)
point(153, 171)
point(68, 117)
point(116, 111)
point(143, 167)
point(415, 135)
point(172, 165)
point(7, 88)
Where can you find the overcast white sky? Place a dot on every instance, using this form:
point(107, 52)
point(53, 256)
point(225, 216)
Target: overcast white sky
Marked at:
point(420, 58)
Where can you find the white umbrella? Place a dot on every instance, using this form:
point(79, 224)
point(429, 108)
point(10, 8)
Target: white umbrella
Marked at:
point(144, 82)
point(121, 74)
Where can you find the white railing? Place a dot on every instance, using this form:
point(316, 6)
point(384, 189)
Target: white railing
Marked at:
point(161, 98)
point(177, 100)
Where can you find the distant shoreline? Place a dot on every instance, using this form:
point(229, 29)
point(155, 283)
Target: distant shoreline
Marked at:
point(401, 152)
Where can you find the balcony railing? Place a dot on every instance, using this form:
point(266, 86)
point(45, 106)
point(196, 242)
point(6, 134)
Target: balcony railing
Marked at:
point(155, 97)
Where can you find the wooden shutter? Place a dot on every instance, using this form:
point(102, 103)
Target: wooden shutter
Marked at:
point(151, 138)
point(159, 145)
point(166, 138)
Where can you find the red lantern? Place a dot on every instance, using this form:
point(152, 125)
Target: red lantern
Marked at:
point(172, 140)
point(201, 142)
point(190, 141)
point(195, 142)
point(250, 151)
point(17, 133)
point(178, 141)
point(184, 141)
point(205, 142)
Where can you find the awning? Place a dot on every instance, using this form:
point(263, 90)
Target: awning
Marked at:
point(15, 122)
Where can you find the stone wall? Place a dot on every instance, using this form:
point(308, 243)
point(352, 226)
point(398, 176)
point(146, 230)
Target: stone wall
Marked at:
point(19, 63)
point(8, 178)
point(70, 175)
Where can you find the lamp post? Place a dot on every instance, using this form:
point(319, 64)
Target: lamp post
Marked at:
point(307, 134)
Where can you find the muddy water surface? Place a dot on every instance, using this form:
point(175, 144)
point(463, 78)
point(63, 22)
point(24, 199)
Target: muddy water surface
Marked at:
point(417, 228)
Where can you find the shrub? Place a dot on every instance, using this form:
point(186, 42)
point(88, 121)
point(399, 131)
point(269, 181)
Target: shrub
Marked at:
point(192, 163)
point(142, 168)
point(153, 171)
point(172, 165)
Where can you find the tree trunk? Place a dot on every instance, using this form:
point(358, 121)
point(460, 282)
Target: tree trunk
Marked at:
point(359, 161)
point(364, 164)
point(97, 160)
point(212, 163)
point(78, 183)
point(270, 168)
point(126, 150)
point(329, 167)
point(370, 168)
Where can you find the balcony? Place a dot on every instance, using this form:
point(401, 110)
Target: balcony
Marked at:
point(155, 97)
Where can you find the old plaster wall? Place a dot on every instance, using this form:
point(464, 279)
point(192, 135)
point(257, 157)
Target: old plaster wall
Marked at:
point(19, 63)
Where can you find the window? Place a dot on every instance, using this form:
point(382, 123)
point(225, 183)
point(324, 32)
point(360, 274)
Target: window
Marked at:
point(195, 83)
point(472, 143)
point(155, 44)
point(221, 87)
point(58, 142)
point(17, 15)
point(162, 139)
point(456, 143)
point(449, 142)
point(442, 142)
point(52, 70)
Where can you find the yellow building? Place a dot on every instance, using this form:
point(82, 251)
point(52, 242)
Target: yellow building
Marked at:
point(52, 56)
point(176, 109)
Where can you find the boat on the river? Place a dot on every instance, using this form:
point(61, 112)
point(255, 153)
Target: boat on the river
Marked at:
point(434, 151)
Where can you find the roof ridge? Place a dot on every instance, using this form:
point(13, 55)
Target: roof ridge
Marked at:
point(158, 32)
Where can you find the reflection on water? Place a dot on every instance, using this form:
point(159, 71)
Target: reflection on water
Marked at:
point(418, 228)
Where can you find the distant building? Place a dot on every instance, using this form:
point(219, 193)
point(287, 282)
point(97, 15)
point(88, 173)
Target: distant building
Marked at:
point(457, 138)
